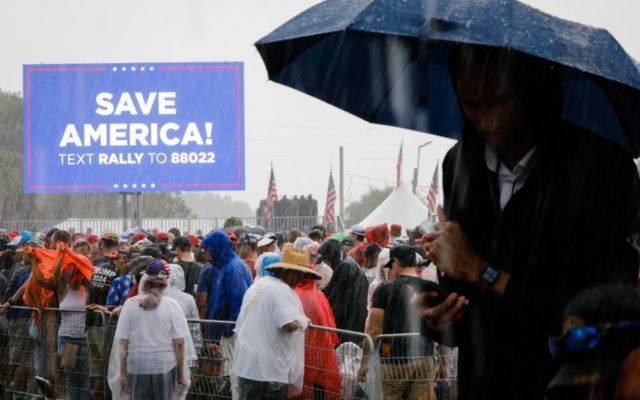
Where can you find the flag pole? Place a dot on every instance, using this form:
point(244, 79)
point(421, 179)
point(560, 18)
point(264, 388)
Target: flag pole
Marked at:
point(341, 182)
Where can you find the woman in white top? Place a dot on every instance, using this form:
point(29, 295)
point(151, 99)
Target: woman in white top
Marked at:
point(152, 347)
point(69, 282)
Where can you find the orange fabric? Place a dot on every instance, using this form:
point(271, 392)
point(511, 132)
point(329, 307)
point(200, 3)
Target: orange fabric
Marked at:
point(320, 361)
point(82, 263)
point(37, 296)
point(34, 294)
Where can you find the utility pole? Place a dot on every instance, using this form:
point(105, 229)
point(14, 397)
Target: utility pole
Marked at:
point(125, 213)
point(341, 203)
point(137, 213)
point(417, 168)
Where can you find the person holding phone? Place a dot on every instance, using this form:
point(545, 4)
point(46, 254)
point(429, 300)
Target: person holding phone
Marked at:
point(535, 209)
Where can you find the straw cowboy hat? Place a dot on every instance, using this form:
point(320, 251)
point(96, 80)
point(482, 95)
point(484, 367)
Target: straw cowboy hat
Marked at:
point(297, 260)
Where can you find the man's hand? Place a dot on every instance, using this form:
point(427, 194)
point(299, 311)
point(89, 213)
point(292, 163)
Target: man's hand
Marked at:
point(449, 249)
point(292, 326)
point(442, 316)
point(182, 384)
point(363, 371)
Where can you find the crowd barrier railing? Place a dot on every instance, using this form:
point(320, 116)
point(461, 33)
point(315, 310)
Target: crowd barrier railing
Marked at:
point(20, 352)
point(80, 364)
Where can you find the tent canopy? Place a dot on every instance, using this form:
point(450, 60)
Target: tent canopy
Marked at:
point(400, 207)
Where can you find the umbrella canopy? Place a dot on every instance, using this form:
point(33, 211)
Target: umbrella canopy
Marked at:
point(386, 61)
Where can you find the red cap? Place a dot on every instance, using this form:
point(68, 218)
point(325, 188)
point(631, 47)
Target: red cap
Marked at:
point(93, 238)
point(139, 236)
point(195, 241)
point(13, 234)
point(162, 236)
point(395, 230)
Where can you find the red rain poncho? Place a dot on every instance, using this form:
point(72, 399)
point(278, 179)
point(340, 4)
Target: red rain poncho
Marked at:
point(378, 234)
point(38, 296)
point(320, 361)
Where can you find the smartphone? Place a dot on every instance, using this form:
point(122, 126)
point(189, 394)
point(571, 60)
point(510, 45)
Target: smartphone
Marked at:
point(421, 285)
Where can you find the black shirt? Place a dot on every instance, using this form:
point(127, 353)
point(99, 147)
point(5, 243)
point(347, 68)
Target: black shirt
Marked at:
point(191, 272)
point(394, 297)
point(103, 275)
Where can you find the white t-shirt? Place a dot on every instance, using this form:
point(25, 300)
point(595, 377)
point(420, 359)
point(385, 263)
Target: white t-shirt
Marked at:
point(150, 334)
point(263, 351)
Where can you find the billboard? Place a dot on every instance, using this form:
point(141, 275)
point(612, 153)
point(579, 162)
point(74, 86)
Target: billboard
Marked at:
point(133, 127)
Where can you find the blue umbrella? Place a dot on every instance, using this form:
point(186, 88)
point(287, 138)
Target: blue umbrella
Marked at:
point(386, 61)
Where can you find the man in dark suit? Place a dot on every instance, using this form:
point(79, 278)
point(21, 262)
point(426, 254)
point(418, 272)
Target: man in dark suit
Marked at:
point(536, 209)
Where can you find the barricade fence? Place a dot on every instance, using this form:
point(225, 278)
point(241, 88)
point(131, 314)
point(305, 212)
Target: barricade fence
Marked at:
point(47, 343)
point(412, 366)
point(190, 225)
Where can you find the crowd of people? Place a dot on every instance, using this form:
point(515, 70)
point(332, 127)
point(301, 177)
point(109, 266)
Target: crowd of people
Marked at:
point(140, 292)
point(532, 265)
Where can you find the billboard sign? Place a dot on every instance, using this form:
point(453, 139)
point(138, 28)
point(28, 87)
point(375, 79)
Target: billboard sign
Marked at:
point(133, 127)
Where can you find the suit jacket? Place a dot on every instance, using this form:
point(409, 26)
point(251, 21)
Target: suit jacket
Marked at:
point(564, 230)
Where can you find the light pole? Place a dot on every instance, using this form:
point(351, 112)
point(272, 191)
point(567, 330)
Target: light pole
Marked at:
point(417, 168)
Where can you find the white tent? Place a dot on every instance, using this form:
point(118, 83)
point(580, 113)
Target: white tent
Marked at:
point(400, 207)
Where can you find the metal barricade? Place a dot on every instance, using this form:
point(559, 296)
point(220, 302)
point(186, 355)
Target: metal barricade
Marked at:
point(412, 366)
point(333, 372)
point(18, 340)
point(210, 376)
point(330, 372)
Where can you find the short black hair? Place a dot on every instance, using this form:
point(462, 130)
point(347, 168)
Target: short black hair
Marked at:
point(182, 243)
point(153, 251)
point(405, 255)
point(537, 80)
point(605, 303)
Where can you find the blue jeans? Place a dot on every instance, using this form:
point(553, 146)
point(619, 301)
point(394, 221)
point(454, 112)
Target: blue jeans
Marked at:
point(76, 374)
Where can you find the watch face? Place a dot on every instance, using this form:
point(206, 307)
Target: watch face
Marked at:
point(490, 275)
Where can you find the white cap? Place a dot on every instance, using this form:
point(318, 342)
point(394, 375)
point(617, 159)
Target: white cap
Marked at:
point(267, 239)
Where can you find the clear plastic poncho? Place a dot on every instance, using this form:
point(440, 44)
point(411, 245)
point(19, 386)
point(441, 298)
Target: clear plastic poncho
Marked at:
point(151, 367)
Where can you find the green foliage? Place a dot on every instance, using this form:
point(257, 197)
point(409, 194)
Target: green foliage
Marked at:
point(232, 222)
point(356, 211)
point(158, 205)
point(16, 205)
point(214, 205)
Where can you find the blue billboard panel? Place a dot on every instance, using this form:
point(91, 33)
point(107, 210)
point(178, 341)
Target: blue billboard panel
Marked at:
point(133, 127)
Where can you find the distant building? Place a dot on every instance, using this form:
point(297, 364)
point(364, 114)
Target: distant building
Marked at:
point(302, 213)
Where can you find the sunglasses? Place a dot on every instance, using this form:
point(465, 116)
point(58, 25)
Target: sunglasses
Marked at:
point(587, 338)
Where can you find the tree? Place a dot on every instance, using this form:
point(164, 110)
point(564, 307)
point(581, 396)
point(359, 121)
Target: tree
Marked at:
point(232, 222)
point(356, 211)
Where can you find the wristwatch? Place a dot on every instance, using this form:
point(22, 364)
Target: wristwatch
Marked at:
point(489, 275)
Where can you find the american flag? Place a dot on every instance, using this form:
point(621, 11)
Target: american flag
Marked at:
point(329, 218)
point(399, 167)
point(432, 195)
point(272, 198)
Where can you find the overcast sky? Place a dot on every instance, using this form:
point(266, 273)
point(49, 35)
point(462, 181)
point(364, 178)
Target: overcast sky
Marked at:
point(299, 134)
